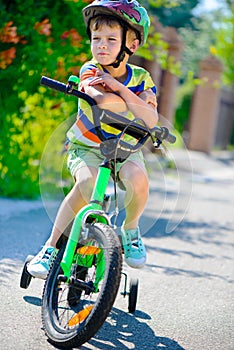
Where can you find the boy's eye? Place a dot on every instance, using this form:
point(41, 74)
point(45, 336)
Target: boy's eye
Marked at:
point(96, 38)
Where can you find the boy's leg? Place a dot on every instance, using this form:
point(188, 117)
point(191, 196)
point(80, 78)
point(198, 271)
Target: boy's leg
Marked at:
point(135, 180)
point(74, 201)
point(134, 177)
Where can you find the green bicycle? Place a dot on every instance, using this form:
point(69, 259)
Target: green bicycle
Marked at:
point(84, 278)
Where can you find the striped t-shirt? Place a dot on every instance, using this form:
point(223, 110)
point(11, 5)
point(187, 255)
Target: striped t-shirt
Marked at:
point(83, 132)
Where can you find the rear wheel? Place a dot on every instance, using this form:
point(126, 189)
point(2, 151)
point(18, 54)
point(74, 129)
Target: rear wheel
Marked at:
point(133, 292)
point(73, 312)
point(26, 276)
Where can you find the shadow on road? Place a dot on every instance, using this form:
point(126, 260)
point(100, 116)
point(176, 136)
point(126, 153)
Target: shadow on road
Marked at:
point(191, 231)
point(210, 235)
point(123, 331)
point(172, 271)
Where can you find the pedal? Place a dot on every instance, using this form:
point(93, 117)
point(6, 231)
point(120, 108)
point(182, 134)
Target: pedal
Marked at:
point(62, 278)
point(88, 287)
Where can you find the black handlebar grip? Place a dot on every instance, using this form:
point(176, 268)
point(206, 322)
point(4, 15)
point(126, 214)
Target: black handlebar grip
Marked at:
point(162, 133)
point(171, 138)
point(53, 84)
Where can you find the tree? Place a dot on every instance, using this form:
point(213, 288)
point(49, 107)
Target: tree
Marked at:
point(173, 13)
point(212, 33)
point(49, 41)
point(224, 43)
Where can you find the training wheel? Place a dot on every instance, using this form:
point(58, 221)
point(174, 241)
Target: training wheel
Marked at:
point(132, 295)
point(25, 276)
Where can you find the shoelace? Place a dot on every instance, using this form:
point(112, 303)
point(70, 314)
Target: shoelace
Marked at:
point(47, 255)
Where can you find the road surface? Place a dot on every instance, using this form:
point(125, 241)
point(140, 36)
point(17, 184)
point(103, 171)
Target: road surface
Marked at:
point(186, 288)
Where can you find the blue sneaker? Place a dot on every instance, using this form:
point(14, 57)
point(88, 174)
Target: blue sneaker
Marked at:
point(134, 250)
point(40, 264)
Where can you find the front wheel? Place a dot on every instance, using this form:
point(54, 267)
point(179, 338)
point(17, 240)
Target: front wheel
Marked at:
point(73, 312)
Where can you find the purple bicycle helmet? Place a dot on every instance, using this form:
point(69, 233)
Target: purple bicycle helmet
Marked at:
point(129, 13)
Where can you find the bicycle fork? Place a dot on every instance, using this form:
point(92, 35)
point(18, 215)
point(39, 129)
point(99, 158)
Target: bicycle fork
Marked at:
point(93, 208)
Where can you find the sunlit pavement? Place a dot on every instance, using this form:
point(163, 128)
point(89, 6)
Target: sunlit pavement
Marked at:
point(186, 288)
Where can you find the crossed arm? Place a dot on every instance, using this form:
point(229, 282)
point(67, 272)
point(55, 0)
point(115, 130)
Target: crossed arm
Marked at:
point(112, 95)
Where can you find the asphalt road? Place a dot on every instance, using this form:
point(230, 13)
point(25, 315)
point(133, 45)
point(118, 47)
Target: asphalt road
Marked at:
point(186, 288)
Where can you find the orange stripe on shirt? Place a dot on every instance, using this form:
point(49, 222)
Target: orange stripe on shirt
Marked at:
point(138, 92)
point(88, 74)
point(88, 134)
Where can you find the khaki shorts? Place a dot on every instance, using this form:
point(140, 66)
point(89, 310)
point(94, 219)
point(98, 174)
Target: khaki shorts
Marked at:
point(91, 157)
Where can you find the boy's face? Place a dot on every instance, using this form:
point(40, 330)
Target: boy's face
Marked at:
point(106, 43)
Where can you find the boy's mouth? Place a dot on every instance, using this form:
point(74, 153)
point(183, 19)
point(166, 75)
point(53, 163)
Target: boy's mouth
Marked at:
point(102, 54)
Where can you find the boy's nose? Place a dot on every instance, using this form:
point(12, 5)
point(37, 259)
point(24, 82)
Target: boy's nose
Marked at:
point(102, 44)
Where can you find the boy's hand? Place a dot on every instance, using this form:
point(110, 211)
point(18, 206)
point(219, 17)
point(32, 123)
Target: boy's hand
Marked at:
point(149, 97)
point(107, 81)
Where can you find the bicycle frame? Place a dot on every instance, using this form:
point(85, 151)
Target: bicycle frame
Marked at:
point(94, 208)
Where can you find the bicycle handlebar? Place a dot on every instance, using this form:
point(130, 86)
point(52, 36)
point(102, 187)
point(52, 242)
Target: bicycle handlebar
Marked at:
point(115, 120)
point(57, 85)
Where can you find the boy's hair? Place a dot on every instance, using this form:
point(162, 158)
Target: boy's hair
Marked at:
point(97, 22)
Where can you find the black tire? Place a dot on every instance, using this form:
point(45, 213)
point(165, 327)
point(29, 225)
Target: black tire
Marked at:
point(133, 292)
point(26, 276)
point(57, 313)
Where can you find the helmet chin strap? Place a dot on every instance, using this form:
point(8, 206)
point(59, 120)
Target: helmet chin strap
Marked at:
point(123, 50)
point(120, 57)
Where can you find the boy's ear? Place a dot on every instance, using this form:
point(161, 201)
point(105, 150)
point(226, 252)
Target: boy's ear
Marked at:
point(134, 45)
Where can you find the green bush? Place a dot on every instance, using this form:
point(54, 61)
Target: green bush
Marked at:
point(36, 38)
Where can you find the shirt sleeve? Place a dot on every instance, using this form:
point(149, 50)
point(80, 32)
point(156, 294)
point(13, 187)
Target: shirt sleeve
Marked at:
point(149, 84)
point(88, 70)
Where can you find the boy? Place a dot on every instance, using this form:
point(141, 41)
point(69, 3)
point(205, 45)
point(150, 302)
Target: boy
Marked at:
point(116, 29)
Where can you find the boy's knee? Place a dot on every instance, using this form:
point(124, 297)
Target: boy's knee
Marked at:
point(140, 182)
point(135, 177)
point(83, 190)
